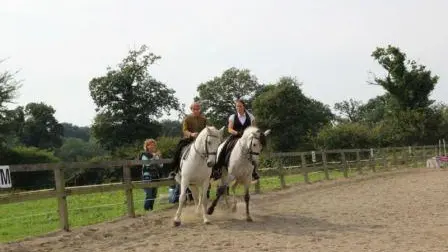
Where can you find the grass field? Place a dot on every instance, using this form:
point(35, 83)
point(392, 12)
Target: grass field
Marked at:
point(30, 218)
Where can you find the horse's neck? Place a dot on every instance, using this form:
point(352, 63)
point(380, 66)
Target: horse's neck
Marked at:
point(197, 147)
point(239, 148)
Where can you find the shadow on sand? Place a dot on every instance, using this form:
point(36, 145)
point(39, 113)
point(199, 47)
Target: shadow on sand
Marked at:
point(291, 224)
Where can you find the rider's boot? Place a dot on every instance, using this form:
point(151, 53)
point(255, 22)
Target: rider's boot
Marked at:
point(175, 169)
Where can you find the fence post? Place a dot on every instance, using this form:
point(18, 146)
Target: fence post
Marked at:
point(282, 176)
point(324, 162)
point(358, 162)
point(394, 157)
point(372, 160)
point(304, 168)
point(344, 164)
point(127, 180)
point(424, 154)
point(62, 198)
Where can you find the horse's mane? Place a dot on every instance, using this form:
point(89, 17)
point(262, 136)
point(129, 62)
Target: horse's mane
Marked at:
point(254, 130)
point(204, 130)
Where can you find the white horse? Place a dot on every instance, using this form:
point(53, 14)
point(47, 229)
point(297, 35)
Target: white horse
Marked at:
point(244, 155)
point(196, 167)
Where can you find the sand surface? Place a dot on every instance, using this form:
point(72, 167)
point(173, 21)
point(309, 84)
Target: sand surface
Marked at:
point(393, 211)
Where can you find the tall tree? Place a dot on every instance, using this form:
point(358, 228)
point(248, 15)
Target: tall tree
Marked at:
point(8, 92)
point(349, 109)
point(41, 129)
point(409, 83)
point(219, 94)
point(376, 109)
point(171, 128)
point(71, 130)
point(129, 100)
point(291, 115)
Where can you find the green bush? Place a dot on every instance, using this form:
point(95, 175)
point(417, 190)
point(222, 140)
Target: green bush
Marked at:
point(29, 155)
point(345, 136)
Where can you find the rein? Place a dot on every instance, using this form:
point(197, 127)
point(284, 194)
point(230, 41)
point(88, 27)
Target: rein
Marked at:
point(207, 153)
point(249, 151)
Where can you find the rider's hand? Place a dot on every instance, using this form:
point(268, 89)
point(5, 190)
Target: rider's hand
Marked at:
point(194, 134)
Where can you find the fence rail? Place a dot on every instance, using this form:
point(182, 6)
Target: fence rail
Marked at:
point(275, 164)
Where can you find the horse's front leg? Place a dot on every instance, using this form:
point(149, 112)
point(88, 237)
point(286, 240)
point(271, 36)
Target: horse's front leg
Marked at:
point(195, 193)
point(246, 199)
point(234, 196)
point(221, 190)
point(226, 196)
point(182, 199)
point(204, 200)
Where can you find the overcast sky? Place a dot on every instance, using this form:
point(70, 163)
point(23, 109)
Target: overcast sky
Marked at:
point(59, 46)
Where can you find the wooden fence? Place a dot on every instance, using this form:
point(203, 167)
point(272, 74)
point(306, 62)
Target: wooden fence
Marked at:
point(277, 164)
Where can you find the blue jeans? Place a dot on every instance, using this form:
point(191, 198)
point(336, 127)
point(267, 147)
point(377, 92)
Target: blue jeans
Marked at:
point(189, 196)
point(151, 195)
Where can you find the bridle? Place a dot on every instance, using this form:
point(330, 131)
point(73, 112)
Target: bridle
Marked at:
point(207, 153)
point(249, 153)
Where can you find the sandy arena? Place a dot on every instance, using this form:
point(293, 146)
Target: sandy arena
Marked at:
point(395, 211)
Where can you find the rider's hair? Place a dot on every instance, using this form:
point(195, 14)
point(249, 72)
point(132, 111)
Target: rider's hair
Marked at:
point(194, 103)
point(241, 101)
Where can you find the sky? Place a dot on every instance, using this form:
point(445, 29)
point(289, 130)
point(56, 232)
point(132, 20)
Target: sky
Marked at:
point(59, 46)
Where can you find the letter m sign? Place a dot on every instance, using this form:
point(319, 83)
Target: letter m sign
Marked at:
point(5, 177)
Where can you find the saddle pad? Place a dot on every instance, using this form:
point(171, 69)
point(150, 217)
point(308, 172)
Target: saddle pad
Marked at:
point(228, 150)
point(184, 154)
point(186, 151)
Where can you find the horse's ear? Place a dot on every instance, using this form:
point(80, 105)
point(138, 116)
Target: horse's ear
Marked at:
point(221, 130)
point(208, 130)
point(267, 132)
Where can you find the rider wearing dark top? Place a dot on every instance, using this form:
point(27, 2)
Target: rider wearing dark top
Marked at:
point(191, 127)
point(238, 122)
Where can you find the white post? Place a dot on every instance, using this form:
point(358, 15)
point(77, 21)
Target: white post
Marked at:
point(444, 150)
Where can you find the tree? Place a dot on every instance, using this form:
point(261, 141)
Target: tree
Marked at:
point(218, 95)
point(8, 92)
point(171, 128)
point(76, 150)
point(75, 131)
point(350, 109)
point(129, 100)
point(40, 128)
point(345, 136)
point(376, 109)
point(291, 116)
point(410, 84)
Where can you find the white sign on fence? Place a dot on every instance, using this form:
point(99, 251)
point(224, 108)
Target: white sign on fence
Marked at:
point(313, 156)
point(371, 152)
point(5, 177)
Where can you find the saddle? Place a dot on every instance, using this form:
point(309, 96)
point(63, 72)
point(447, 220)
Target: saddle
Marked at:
point(185, 152)
point(227, 150)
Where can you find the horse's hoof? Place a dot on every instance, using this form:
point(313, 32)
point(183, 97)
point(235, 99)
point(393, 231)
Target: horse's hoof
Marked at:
point(207, 222)
point(249, 219)
point(210, 210)
point(176, 223)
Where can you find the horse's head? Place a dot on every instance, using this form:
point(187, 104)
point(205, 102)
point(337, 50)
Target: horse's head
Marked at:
point(254, 140)
point(208, 142)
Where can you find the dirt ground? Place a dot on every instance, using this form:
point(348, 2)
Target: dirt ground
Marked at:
point(396, 211)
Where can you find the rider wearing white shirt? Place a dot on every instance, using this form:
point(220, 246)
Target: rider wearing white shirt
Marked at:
point(238, 122)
